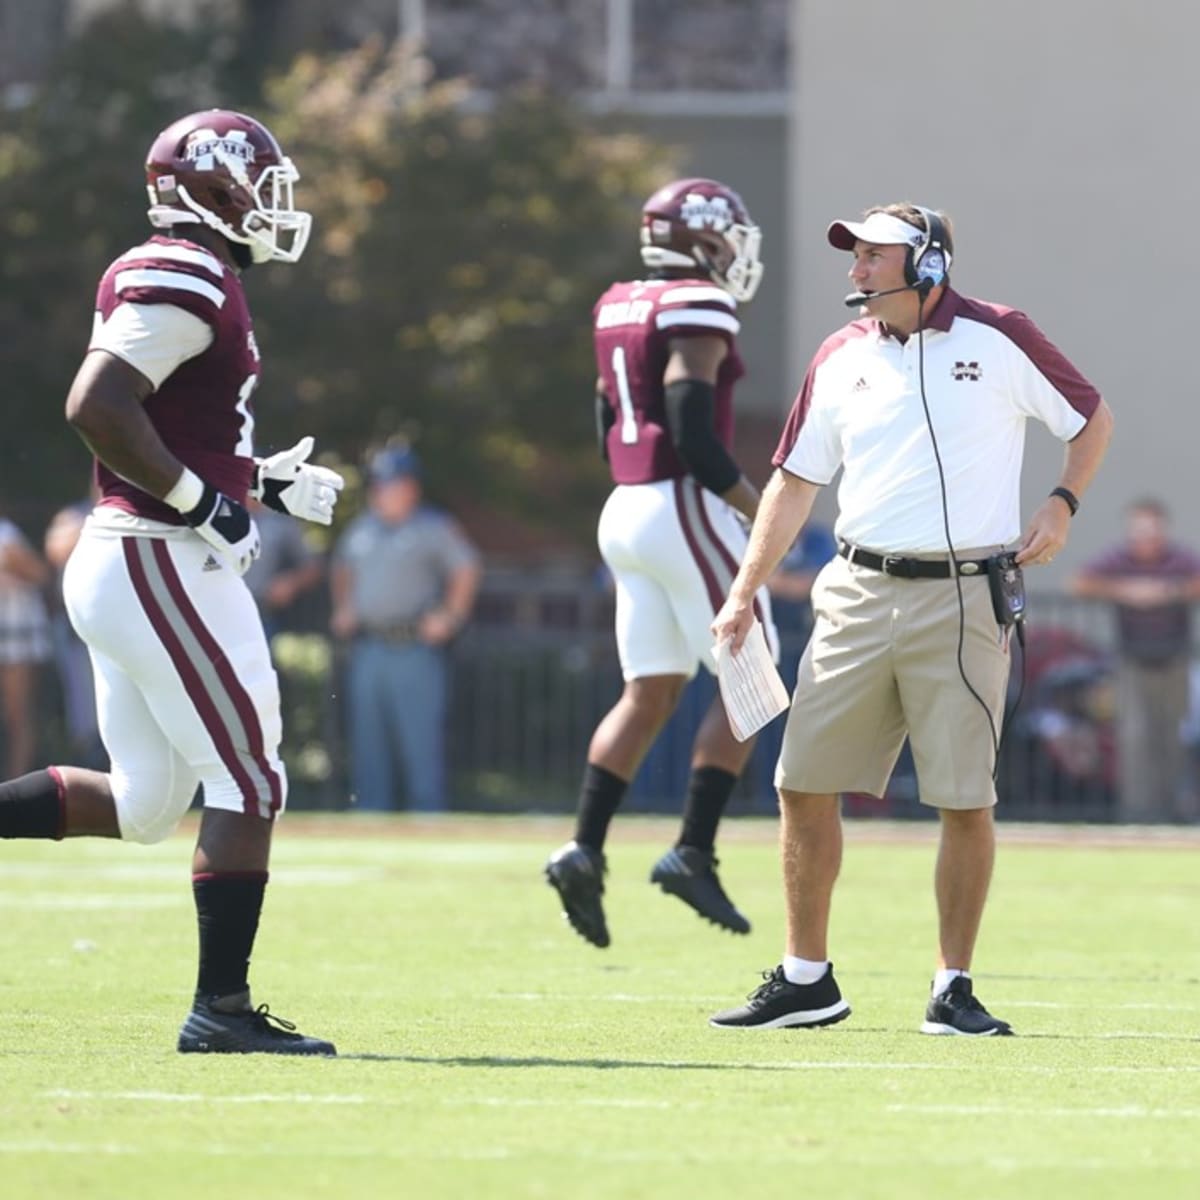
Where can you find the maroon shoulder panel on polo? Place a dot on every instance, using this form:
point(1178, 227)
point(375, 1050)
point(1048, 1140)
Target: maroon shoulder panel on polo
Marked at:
point(1038, 348)
point(803, 401)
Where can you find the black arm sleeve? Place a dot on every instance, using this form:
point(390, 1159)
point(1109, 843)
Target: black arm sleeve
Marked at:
point(605, 420)
point(690, 406)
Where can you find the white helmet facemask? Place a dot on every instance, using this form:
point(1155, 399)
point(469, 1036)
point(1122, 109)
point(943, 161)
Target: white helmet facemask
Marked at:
point(273, 228)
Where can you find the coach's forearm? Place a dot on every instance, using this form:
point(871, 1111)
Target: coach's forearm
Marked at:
point(1085, 451)
point(786, 503)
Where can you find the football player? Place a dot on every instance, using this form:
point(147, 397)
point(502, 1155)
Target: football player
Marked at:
point(667, 358)
point(186, 693)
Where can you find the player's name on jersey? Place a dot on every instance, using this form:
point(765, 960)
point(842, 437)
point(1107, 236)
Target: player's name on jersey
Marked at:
point(624, 312)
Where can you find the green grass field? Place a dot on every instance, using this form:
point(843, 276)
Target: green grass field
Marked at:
point(487, 1052)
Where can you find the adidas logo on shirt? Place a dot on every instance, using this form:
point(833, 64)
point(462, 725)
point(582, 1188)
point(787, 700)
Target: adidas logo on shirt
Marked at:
point(861, 384)
point(211, 564)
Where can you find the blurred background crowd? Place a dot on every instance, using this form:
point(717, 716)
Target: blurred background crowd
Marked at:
point(475, 169)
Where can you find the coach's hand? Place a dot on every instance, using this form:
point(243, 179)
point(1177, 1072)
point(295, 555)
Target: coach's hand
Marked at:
point(289, 483)
point(1045, 535)
point(733, 622)
point(223, 523)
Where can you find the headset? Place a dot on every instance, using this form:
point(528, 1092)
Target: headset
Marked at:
point(928, 262)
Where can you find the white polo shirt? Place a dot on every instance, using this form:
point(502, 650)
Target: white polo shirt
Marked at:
point(987, 369)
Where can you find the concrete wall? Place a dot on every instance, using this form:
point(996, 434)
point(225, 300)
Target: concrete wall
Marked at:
point(1062, 137)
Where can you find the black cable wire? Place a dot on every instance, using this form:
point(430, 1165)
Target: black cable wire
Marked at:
point(962, 612)
point(1011, 714)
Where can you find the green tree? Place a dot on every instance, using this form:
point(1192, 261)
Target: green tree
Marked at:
point(71, 199)
point(445, 295)
point(456, 257)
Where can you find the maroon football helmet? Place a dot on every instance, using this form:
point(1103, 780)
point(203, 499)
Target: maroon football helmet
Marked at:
point(225, 170)
point(701, 221)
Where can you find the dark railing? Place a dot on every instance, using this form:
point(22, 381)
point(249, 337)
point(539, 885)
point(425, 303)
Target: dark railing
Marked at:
point(537, 670)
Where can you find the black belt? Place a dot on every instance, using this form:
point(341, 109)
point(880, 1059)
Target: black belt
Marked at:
point(910, 568)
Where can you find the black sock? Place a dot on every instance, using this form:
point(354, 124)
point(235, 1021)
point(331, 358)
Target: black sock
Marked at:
point(599, 798)
point(227, 908)
point(709, 789)
point(32, 806)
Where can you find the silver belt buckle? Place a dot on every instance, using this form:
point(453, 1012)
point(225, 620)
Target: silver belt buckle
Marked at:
point(968, 568)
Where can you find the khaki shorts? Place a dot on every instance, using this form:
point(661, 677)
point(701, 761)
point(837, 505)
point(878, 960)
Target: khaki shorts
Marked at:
point(883, 662)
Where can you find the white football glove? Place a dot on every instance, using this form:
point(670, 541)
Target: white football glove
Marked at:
point(221, 521)
point(288, 482)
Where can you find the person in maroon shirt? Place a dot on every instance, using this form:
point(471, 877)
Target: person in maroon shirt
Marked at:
point(667, 362)
point(1152, 582)
point(186, 694)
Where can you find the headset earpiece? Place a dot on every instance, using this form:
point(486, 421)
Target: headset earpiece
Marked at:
point(930, 258)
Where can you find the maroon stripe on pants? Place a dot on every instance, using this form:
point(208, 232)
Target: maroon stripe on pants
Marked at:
point(726, 554)
point(711, 585)
point(206, 710)
point(242, 703)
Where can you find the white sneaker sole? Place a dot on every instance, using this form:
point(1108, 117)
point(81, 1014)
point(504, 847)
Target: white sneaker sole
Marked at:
point(939, 1030)
point(796, 1020)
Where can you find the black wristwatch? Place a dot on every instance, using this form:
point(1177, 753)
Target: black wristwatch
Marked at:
point(1068, 497)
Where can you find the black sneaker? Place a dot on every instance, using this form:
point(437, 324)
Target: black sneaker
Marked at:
point(577, 873)
point(251, 1031)
point(691, 874)
point(956, 1011)
point(777, 1004)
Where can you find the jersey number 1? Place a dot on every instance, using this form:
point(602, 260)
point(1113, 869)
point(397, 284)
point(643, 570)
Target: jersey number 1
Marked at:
point(629, 425)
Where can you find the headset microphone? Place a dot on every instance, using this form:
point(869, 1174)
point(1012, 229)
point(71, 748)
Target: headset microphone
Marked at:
point(924, 286)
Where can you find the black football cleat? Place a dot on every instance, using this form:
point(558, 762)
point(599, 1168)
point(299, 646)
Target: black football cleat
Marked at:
point(577, 874)
point(691, 874)
point(208, 1030)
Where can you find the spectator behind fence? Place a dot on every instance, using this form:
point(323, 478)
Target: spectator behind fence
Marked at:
point(404, 580)
point(791, 587)
point(71, 659)
point(286, 567)
point(1152, 582)
point(24, 643)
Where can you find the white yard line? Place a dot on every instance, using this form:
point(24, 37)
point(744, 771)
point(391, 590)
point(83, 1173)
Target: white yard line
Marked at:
point(1023, 1110)
point(202, 1098)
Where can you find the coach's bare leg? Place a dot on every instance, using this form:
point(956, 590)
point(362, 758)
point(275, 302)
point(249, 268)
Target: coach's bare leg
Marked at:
point(627, 731)
point(964, 871)
point(88, 809)
point(232, 843)
point(715, 745)
point(810, 843)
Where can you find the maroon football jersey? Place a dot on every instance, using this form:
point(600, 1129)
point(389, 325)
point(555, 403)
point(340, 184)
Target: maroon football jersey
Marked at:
point(634, 324)
point(203, 410)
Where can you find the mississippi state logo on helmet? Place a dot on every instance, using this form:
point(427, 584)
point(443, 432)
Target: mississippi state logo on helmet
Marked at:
point(702, 222)
point(226, 170)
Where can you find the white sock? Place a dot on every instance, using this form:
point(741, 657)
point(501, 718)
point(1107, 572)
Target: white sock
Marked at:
point(942, 978)
point(803, 970)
